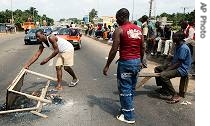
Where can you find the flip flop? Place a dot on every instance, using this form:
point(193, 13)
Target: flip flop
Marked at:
point(174, 100)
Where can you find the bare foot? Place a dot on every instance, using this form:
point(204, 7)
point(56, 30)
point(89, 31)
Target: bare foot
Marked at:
point(59, 87)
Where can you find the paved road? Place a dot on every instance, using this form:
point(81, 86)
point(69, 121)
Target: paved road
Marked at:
point(94, 101)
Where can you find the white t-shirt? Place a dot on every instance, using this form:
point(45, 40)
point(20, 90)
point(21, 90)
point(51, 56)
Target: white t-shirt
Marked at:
point(63, 45)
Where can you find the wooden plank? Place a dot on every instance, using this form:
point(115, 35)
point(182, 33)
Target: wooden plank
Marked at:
point(18, 110)
point(143, 81)
point(149, 74)
point(15, 81)
point(41, 75)
point(40, 104)
point(32, 97)
point(43, 94)
point(11, 97)
point(39, 114)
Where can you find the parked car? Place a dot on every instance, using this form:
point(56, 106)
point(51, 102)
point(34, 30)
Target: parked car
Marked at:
point(72, 35)
point(30, 37)
point(55, 30)
point(47, 30)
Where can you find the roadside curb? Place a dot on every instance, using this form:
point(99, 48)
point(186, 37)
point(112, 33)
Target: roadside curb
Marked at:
point(94, 38)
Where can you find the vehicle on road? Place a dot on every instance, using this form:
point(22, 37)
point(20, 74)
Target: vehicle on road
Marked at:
point(72, 35)
point(27, 26)
point(55, 30)
point(30, 37)
point(47, 30)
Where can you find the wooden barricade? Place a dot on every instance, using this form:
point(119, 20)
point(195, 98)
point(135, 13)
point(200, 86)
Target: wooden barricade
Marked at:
point(14, 90)
point(146, 76)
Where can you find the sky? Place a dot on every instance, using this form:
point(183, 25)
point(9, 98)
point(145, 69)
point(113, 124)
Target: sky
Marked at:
point(57, 9)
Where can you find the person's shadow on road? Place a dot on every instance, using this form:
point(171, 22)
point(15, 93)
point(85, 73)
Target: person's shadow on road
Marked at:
point(106, 104)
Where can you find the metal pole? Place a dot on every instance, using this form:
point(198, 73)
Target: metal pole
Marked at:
point(150, 9)
point(98, 6)
point(12, 13)
point(133, 10)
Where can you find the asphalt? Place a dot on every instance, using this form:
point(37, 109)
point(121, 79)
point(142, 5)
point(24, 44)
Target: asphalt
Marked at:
point(94, 101)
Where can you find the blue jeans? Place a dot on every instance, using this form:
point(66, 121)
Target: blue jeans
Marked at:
point(127, 75)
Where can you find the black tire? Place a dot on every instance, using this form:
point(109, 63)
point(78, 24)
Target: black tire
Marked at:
point(26, 43)
point(79, 45)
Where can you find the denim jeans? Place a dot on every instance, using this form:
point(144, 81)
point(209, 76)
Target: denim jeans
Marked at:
point(127, 75)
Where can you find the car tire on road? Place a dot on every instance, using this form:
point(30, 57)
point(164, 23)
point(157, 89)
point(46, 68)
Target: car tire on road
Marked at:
point(79, 46)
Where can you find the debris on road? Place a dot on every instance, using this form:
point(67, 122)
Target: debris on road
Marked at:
point(185, 103)
point(3, 107)
point(56, 99)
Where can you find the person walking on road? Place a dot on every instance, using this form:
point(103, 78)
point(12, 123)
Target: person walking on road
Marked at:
point(179, 67)
point(128, 38)
point(65, 55)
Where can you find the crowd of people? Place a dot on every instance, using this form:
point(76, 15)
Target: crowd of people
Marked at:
point(157, 36)
point(101, 31)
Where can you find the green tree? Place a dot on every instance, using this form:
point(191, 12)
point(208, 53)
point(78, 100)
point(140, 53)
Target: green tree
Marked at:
point(176, 18)
point(2, 17)
point(93, 13)
point(63, 19)
point(23, 16)
point(164, 15)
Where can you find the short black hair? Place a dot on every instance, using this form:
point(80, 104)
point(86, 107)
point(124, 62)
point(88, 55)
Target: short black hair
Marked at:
point(180, 35)
point(144, 18)
point(39, 31)
point(122, 15)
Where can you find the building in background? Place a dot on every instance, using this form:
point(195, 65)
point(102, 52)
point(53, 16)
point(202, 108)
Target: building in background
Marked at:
point(109, 20)
point(86, 19)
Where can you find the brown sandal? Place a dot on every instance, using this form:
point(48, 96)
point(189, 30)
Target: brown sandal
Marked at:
point(174, 99)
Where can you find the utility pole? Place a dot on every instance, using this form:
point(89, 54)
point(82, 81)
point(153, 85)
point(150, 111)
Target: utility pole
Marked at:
point(154, 9)
point(97, 7)
point(184, 9)
point(133, 10)
point(12, 13)
point(150, 8)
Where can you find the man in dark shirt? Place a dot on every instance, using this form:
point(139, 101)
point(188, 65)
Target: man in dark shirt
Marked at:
point(179, 67)
point(166, 40)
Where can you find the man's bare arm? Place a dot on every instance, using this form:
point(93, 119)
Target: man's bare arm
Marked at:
point(115, 46)
point(53, 40)
point(35, 57)
point(113, 51)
